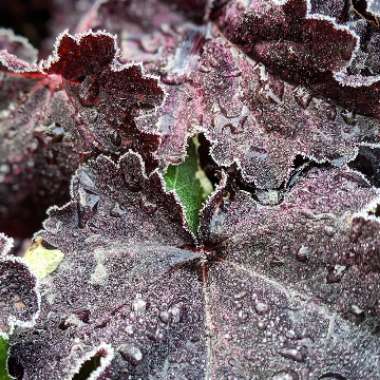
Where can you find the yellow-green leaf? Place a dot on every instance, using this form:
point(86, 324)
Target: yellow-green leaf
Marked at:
point(42, 261)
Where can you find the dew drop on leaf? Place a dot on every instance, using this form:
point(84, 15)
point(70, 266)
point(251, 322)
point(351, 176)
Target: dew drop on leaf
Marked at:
point(286, 375)
point(335, 273)
point(164, 316)
point(303, 254)
point(117, 210)
point(139, 306)
point(131, 353)
point(176, 312)
point(295, 354)
point(261, 307)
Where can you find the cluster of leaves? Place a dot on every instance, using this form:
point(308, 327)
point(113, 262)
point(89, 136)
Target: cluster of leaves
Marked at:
point(211, 173)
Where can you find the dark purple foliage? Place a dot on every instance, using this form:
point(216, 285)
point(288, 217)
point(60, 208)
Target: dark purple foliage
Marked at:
point(240, 301)
point(79, 102)
point(19, 302)
point(282, 279)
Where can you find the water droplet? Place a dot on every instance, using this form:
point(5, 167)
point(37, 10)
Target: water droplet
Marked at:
point(329, 230)
point(5, 169)
point(130, 330)
point(117, 210)
point(303, 254)
point(240, 295)
point(56, 132)
point(176, 311)
point(261, 325)
point(286, 375)
point(261, 307)
point(269, 197)
point(131, 353)
point(164, 316)
point(159, 334)
point(139, 306)
point(358, 313)
point(335, 273)
point(356, 309)
point(243, 315)
point(295, 354)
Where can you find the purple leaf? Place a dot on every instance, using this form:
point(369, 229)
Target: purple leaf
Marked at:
point(127, 239)
point(284, 36)
point(148, 31)
point(321, 240)
point(281, 282)
point(135, 295)
point(19, 301)
point(254, 118)
point(303, 43)
point(17, 46)
point(80, 102)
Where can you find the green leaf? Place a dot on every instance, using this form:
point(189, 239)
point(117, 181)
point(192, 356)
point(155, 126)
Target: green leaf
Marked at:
point(190, 183)
point(3, 359)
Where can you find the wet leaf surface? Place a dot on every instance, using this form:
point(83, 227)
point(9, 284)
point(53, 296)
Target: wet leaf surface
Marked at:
point(19, 301)
point(78, 103)
point(281, 281)
point(150, 301)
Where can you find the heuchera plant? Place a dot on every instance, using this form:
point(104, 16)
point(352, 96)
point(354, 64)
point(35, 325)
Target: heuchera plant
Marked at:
point(210, 171)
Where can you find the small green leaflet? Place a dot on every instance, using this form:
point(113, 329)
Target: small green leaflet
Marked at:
point(42, 261)
point(3, 359)
point(190, 184)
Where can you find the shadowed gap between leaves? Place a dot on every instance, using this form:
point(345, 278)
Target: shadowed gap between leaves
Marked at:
point(15, 368)
point(27, 18)
point(332, 376)
point(367, 162)
point(88, 367)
